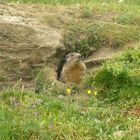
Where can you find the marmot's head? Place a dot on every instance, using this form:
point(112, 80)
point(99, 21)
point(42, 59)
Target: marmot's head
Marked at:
point(73, 57)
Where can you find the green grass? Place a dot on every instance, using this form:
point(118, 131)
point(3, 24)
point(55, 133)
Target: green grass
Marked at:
point(30, 116)
point(120, 77)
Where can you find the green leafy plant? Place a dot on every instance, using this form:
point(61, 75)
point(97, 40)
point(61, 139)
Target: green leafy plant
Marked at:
point(118, 76)
point(128, 19)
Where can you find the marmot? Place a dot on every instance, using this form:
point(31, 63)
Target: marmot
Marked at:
point(73, 69)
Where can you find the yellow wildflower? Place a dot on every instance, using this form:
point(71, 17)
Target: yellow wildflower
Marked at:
point(88, 91)
point(95, 93)
point(68, 91)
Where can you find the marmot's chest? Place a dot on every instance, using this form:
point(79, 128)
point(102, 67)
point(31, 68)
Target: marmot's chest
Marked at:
point(74, 74)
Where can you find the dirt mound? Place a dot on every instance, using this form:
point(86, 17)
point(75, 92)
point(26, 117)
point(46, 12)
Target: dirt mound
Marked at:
point(24, 45)
point(101, 55)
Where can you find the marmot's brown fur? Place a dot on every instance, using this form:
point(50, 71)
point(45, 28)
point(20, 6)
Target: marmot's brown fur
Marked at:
point(73, 69)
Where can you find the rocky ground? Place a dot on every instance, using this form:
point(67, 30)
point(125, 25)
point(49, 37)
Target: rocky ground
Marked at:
point(25, 43)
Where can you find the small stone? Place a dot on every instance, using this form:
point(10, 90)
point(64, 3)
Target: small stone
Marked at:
point(120, 1)
point(61, 96)
point(118, 133)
